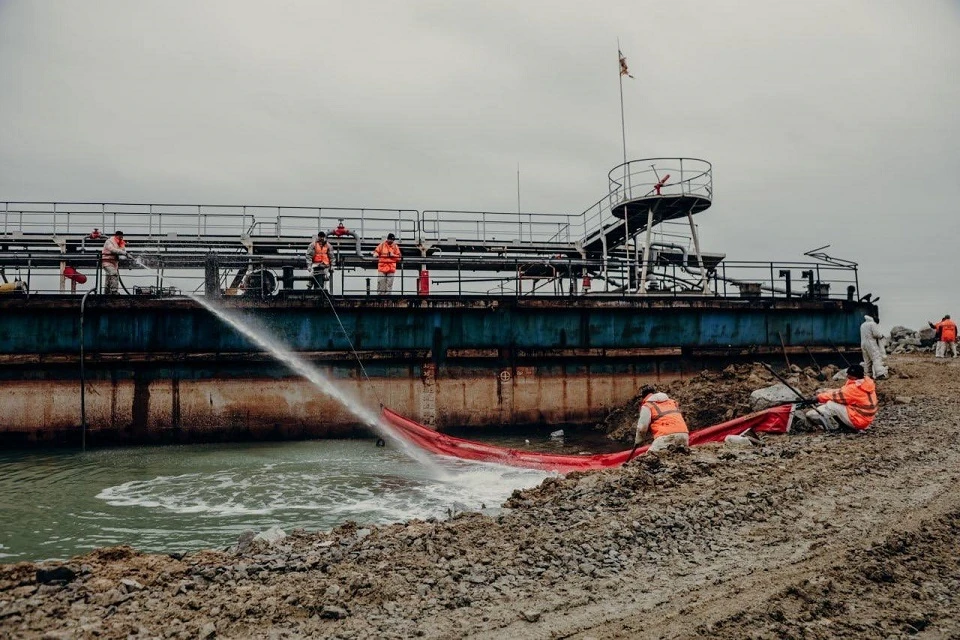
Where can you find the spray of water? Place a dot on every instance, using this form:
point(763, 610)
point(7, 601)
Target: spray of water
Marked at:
point(282, 353)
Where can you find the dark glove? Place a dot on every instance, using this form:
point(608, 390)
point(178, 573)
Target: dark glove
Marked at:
point(808, 402)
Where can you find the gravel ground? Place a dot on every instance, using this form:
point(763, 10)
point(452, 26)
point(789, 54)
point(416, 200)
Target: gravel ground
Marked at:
point(808, 536)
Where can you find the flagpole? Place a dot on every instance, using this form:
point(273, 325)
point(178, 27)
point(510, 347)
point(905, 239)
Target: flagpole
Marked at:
point(623, 126)
point(623, 133)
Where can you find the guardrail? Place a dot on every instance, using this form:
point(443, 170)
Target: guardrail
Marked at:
point(670, 274)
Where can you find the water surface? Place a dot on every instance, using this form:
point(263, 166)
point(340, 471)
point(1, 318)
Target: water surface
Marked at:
point(57, 504)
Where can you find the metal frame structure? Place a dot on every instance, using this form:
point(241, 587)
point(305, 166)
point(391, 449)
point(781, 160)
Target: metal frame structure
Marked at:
point(571, 250)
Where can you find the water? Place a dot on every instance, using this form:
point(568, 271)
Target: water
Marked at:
point(55, 505)
point(179, 498)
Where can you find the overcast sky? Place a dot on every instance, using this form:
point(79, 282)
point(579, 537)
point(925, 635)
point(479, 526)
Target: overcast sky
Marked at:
point(827, 121)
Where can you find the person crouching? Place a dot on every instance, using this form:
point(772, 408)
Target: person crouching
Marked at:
point(853, 406)
point(661, 415)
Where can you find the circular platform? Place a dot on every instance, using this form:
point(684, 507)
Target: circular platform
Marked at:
point(670, 187)
point(665, 207)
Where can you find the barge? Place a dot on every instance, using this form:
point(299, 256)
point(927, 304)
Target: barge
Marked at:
point(496, 319)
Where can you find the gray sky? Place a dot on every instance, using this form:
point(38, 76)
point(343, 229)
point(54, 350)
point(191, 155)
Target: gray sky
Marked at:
point(827, 121)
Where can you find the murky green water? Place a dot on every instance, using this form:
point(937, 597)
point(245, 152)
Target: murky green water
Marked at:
point(178, 498)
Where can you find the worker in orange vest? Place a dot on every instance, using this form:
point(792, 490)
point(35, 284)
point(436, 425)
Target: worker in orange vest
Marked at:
point(113, 249)
point(947, 330)
point(661, 415)
point(388, 255)
point(854, 405)
point(318, 262)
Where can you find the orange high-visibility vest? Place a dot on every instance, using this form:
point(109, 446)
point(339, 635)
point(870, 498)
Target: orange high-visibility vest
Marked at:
point(859, 399)
point(389, 256)
point(948, 330)
point(113, 243)
point(321, 253)
point(665, 418)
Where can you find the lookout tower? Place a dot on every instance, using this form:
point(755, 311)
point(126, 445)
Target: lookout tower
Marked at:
point(646, 192)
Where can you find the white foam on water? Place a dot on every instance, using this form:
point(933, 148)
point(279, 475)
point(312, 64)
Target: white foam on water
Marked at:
point(328, 494)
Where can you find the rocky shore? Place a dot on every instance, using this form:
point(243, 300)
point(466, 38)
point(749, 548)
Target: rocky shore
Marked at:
point(808, 535)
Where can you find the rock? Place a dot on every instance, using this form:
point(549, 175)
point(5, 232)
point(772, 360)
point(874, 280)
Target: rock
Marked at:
point(131, 585)
point(530, 615)
point(208, 630)
point(333, 612)
point(771, 396)
point(270, 536)
point(840, 375)
point(903, 399)
point(62, 574)
point(927, 336)
point(245, 540)
point(737, 442)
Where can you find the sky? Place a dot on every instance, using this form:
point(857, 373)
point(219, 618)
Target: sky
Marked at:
point(826, 122)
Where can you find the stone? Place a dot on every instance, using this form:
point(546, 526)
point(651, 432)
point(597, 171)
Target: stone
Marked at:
point(130, 584)
point(530, 615)
point(270, 536)
point(208, 630)
point(62, 574)
point(771, 396)
point(737, 442)
point(245, 540)
point(333, 612)
point(903, 399)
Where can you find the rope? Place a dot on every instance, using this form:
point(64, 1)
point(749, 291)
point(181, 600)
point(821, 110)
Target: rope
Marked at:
point(356, 355)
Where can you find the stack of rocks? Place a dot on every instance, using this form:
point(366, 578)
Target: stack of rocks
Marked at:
point(904, 340)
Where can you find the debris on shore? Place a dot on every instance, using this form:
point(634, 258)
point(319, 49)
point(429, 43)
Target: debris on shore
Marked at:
point(811, 535)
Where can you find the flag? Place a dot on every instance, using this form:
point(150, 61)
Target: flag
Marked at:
point(624, 71)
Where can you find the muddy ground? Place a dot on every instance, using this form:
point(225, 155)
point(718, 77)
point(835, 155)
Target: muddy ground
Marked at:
point(808, 536)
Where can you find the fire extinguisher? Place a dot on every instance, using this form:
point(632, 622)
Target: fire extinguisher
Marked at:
point(423, 283)
point(586, 283)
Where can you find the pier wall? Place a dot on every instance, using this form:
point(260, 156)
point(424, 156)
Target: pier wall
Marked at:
point(166, 370)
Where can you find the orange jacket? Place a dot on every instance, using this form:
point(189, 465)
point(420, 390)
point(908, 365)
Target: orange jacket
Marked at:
point(389, 256)
point(947, 329)
point(321, 253)
point(665, 418)
point(860, 398)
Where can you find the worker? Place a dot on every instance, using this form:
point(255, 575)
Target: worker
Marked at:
point(113, 249)
point(388, 255)
point(946, 337)
point(854, 405)
point(947, 331)
point(318, 262)
point(871, 344)
point(661, 415)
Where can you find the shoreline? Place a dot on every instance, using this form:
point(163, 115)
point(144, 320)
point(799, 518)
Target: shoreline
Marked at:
point(810, 533)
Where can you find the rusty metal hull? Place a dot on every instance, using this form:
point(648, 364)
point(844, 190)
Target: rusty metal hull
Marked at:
point(167, 371)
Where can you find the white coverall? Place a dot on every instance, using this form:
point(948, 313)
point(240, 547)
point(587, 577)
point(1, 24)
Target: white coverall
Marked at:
point(871, 337)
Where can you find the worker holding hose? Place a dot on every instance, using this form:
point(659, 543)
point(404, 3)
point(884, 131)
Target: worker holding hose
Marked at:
point(113, 249)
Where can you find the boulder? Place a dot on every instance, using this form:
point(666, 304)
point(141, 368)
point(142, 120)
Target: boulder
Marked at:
point(270, 536)
point(927, 337)
point(62, 574)
point(771, 396)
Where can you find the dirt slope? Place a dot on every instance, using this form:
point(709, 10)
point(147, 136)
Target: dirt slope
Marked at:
point(810, 536)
